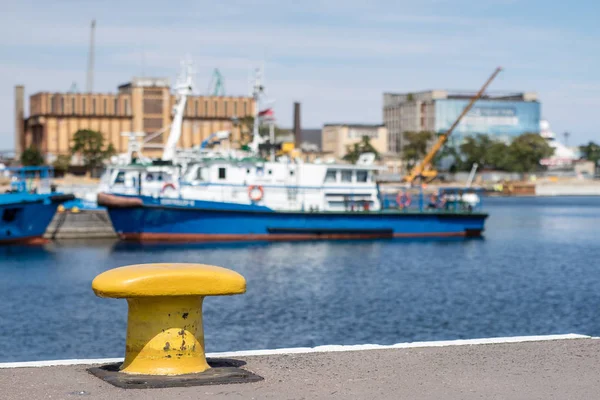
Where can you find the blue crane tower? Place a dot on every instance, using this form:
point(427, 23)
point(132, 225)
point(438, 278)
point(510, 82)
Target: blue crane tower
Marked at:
point(216, 87)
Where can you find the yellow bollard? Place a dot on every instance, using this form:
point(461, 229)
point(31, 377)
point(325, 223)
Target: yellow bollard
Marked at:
point(165, 335)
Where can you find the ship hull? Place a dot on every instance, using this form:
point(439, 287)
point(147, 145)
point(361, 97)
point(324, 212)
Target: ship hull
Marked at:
point(143, 218)
point(25, 217)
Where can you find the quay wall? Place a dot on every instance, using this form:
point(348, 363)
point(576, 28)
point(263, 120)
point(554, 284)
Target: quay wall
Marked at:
point(568, 189)
point(87, 224)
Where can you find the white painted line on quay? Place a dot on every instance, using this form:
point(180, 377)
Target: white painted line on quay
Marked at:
point(318, 349)
point(359, 347)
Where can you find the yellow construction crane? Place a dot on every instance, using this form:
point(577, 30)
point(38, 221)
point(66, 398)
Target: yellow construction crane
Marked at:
point(423, 169)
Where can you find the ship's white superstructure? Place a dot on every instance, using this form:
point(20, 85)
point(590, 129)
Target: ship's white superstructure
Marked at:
point(563, 156)
point(220, 173)
point(289, 186)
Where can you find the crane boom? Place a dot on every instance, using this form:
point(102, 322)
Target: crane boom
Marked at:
point(419, 168)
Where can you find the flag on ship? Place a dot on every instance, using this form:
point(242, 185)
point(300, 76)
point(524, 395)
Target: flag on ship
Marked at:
point(267, 114)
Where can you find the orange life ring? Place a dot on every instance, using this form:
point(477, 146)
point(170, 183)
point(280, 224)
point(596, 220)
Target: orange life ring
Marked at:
point(165, 186)
point(403, 200)
point(251, 190)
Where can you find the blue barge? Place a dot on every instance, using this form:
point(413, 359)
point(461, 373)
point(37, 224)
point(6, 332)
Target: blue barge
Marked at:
point(25, 213)
point(145, 218)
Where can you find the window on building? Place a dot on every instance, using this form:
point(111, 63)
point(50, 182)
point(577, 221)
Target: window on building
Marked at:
point(83, 106)
point(245, 109)
point(93, 106)
point(346, 176)
point(62, 105)
point(196, 108)
point(222, 173)
point(206, 108)
point(52, 105)
point(361, 176)
point(235, 108)
point(127, 107)
point(116, 105)
point(105, 106)
point(216, 109)
point(225, 107)
point(330, 176)
point(73, 105)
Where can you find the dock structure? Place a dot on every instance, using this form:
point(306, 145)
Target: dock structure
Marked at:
point(85, 224)
point(542, 367)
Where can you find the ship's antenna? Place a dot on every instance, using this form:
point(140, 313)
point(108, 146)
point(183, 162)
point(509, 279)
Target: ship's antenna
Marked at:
point(258, 90)
point(90, 71)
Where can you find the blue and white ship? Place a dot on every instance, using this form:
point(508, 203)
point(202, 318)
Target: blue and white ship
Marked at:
point(28, 207)
point(145, 218)
point(238, 195)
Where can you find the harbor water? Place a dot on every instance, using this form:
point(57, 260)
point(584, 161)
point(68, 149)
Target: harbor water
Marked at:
point(534, 272)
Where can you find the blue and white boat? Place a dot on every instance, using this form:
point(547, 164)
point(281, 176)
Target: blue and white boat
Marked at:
point(144, 218)
point(226, 201)
point(27, 208)
point(239, 195)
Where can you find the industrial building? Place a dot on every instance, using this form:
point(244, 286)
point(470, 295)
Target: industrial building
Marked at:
point(503, 115)
point(142, 105)
point(337, 138)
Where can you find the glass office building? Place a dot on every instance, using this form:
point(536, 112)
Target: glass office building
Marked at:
point(500, 119)
point(500, 115)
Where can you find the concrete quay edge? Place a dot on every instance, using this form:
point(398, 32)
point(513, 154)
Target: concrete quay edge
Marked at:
point(529, 367)
point(316, 349)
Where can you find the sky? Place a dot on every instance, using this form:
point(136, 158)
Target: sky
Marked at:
point(335, 57)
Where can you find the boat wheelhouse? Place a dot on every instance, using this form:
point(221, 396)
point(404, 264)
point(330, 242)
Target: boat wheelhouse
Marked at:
point(286, 186)
point(28, 207)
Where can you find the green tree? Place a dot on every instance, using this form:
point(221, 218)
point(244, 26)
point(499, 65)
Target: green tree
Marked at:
point(364, 146)
point(499, 157)
point(62, 163)
point(90, 144)
point(32, 157)
point(526, 151)
point(416, 146)
point(476, 149)
point(450, 151)
point(590, 152)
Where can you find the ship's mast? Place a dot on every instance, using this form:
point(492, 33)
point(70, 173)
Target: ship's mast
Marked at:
point(257, 91)
point(183, 88)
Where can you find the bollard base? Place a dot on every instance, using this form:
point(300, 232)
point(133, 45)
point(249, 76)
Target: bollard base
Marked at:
point(222, 371)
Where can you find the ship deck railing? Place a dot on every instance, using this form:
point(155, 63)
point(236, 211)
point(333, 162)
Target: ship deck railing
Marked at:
point(447, 199)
